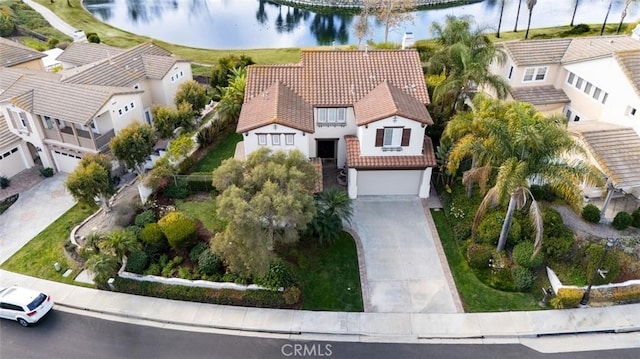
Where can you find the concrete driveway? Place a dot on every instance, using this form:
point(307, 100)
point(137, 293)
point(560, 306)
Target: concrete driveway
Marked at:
point(34, 210)
point(404, 273)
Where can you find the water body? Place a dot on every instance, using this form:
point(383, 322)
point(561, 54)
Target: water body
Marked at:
point(238, 24)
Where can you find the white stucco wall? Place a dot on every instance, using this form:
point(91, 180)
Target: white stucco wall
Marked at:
point(300, 140)
point(32, 135)
point(334, 132)
point(367, 137)
point(164, 91)
point(118, 102)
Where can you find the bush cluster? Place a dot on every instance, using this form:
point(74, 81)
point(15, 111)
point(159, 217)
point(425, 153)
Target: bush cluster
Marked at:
point(522, 253)
point(523, 278)
point(490, 227)
point(196, 250)
point(137, 262)
point(567, 298)
point(278, 276)
point(478, 255)
point(557, 247)
point(152, 236)
point(591, 213)
point(178, 189)
point(145, 218)
point(635, 218)
point(179, 230)
point(543, 193)
point(209, 263)
point(621, 221)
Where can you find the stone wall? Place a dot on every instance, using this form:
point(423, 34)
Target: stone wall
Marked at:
point(358, 3)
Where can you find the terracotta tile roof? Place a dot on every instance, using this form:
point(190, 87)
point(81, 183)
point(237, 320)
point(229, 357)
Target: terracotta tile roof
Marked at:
point(342, 78)
point(44, 95)
point(13, 53)
point(6, 137)
point(125, 69)
point(536, 52)
point(387, 100)
point(317, 164)
point(277, 104)
point(556, 51)
point(615, 148)
point(357, 161)
point(629, 62)
point(539, 95)
point(82, 53)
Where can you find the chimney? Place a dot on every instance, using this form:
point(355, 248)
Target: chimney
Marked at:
point(407, 40)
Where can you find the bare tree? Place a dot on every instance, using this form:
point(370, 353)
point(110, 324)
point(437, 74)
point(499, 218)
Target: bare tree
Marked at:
point(362, 26)
point(391, 13)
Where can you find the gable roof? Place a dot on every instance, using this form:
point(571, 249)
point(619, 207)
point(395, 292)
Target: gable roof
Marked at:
point(122, 70)
point(279, 105)
point(82, 53)
point(615, 148)
point(43, 95)
point(341, 78)
point(629, 62)
point(357, 161)
point(6, 136)
point(539, 95)
point(387, 100)
point(13, 53)
point(556, 51)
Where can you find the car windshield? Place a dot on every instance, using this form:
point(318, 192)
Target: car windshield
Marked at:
point(36, 302)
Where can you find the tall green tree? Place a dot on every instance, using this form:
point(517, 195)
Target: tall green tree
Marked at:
point(464, 57)
point(91, 180)
point(133, 145)
point(230, 104)
point(220, 75)
point(266, 200)
point(192, 93)
point(524, 147)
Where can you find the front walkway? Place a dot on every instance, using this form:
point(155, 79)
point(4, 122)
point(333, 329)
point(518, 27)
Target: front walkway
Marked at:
point(34, 210)
point(404, 273)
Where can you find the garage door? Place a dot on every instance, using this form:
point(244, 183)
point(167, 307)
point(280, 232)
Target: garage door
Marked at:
point(389, 182)
point(65, 161)
point(11, 162)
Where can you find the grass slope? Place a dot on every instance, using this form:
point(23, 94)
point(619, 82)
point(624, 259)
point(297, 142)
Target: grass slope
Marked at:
point(222, 150)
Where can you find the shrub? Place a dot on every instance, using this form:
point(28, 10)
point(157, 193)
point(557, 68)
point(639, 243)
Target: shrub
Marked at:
point(169, 269)
point(4, 182)
point(567, 298)
point(46, 172)
point(523, 278)
point(291, 295)
point(179, 230)
point(154, 269)
point(278, 276)
point(552, 222)
point(576, 30)
point(490, 227)
point(591, 213)
point(93, 37)
point(195, 252)
point(185, 273)
point(152, 236)
point(137, 262)
point(144, 218)
point(543, 193)
point(555, 248)
point(178, 189)
point(206, 135)
point(478, 255)
point(500, 279)
point(52, 42)
point(461, 230)
point(522, 256)
point(635, 218)
point(593, 256)
point(209, 263)
point(621, 221)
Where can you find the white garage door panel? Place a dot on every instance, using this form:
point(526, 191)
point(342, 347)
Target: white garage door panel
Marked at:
point(66, 162)
point(11, 162)
point(389, 182)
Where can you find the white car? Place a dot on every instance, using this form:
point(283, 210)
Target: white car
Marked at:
point(26, 306)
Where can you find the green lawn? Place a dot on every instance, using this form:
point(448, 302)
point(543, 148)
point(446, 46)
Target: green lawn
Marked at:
point(205, 211)
point(329, 276)
point(220, 151)
point(475, 296)
point(37, 257)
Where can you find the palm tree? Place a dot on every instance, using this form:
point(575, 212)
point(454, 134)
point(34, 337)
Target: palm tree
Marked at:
point(515, 28)
point(232, 96)
point(120, 243)
point(464, 57)
point(525, 147)
point(530, 5)
point(103, 266)
point(575, 9)
point(333, 207)
point(500, 21)
point(623, 15)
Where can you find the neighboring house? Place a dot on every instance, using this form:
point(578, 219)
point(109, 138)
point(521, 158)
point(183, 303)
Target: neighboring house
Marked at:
point(145, 67)
point(13, 54)
point(363, 109)
point(53, 119)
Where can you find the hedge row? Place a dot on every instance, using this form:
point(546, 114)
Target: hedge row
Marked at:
point(570, 297)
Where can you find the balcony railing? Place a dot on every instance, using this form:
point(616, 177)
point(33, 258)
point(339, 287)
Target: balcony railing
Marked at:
point(83, 139)
point(103, 141)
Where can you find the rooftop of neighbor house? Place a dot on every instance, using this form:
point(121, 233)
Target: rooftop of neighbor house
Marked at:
point(122, 69)
point(557, 51)
point(13, 53)
point(615, 148)
point(42, 93)
point(540, 95)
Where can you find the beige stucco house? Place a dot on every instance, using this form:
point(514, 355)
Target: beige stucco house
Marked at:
point(363, 109)
point(53, 119)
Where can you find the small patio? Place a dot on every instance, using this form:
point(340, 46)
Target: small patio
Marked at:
point(22, 182)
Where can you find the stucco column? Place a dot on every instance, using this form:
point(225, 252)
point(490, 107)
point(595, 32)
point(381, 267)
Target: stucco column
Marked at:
point(353, 183)
point(425, 185)
point(607, 199)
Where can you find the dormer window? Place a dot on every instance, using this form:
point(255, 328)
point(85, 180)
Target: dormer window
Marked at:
point(331, 116)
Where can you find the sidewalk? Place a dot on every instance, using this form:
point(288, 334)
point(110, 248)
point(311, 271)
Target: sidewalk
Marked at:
point(370, 327)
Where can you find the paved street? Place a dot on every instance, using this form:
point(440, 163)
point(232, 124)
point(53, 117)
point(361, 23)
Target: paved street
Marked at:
point(403, 270)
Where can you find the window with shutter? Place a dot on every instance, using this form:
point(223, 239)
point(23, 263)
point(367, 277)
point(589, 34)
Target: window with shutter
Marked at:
point(379, 137)
point(406, 137)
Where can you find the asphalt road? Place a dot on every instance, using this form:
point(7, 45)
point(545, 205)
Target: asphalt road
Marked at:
point(71, 336)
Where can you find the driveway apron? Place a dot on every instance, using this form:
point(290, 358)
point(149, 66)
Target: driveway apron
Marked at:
point(34, 210)
point(403, 270)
